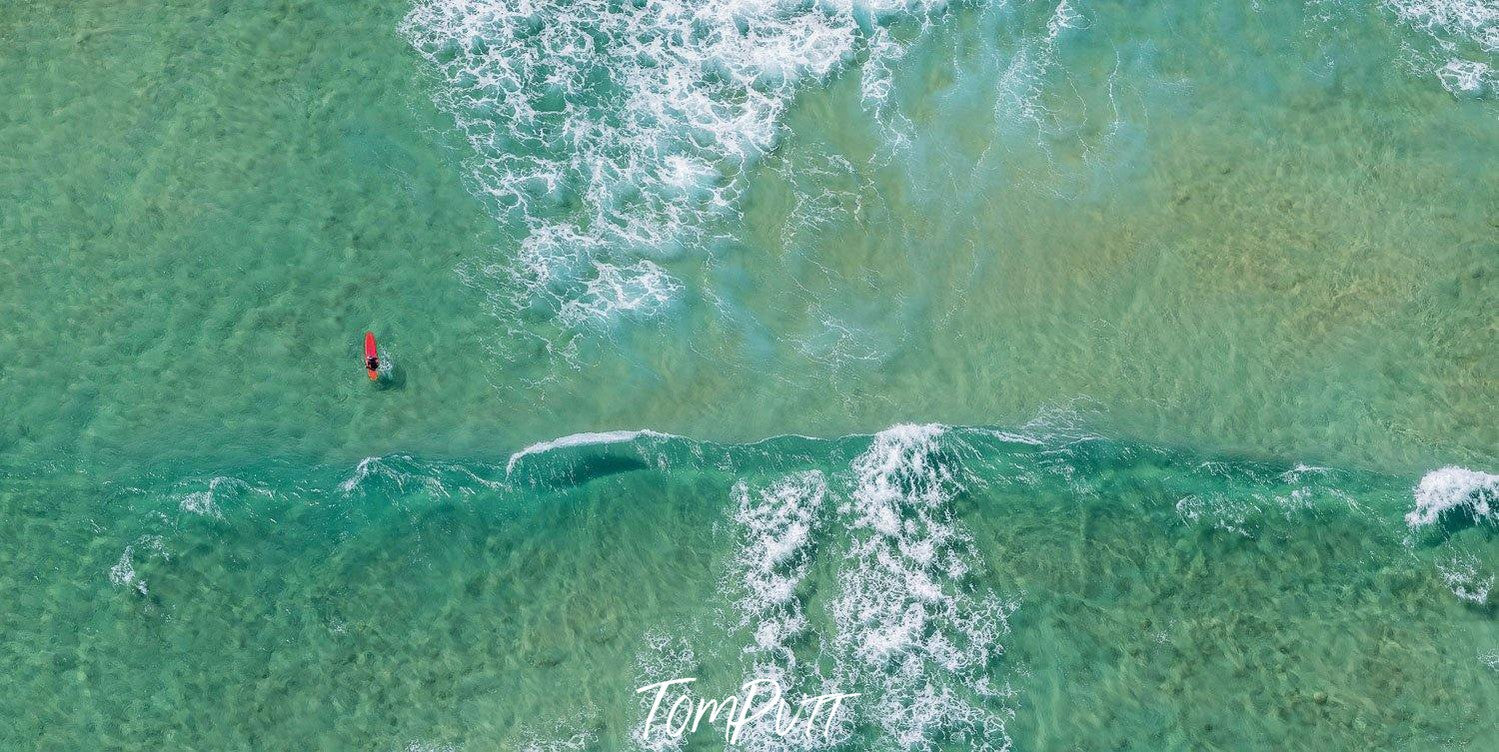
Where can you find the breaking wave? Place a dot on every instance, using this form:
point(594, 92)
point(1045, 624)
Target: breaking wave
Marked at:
point(911, 627)
point(1461, 38)
point(613, 134)
point(1454, 491)
point(906, 624)
point(853, 564)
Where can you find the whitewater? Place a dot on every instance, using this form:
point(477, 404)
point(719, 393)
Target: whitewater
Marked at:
point(1041, 375)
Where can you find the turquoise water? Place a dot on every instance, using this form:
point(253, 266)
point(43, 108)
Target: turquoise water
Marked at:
point(1079, 376)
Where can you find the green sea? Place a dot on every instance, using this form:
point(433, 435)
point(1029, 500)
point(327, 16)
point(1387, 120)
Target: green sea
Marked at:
point(1080, 376)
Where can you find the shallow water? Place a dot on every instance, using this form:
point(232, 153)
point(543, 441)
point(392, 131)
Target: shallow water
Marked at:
point(1204, 292)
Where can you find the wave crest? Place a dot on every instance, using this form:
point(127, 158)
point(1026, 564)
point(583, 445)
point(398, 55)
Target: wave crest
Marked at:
point(1454, 490)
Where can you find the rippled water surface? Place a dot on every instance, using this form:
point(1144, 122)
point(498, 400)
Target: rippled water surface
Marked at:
point(1078, 376)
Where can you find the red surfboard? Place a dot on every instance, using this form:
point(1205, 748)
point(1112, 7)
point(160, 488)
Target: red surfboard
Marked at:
point(371, 352)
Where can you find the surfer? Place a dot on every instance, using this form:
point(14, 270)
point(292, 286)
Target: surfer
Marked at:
point(371, 356)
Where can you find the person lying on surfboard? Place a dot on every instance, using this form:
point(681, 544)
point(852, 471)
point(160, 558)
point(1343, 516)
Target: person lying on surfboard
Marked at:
point(371, 356)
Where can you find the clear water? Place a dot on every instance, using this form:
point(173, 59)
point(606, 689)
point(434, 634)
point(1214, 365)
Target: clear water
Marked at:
point(1149, 351)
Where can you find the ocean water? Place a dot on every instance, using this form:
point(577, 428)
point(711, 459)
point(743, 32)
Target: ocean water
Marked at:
point(1051, 375)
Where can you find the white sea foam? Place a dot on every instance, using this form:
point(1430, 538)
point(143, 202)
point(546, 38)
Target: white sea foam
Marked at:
point(664, 657)
point(908, 634)
point(613, 132)
point(206, 501)
point(1466, 76)
point(1021, 84)
point(1490, 659)
point(1460, 34)
point(1465, 577)
point(1454, 489)
point(1474, 20)
point(780, 523)
point(780, 529)
point(642, 287)
point(123, 572)
point(201, 503)
point(906, 627)
point(1063, 17)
